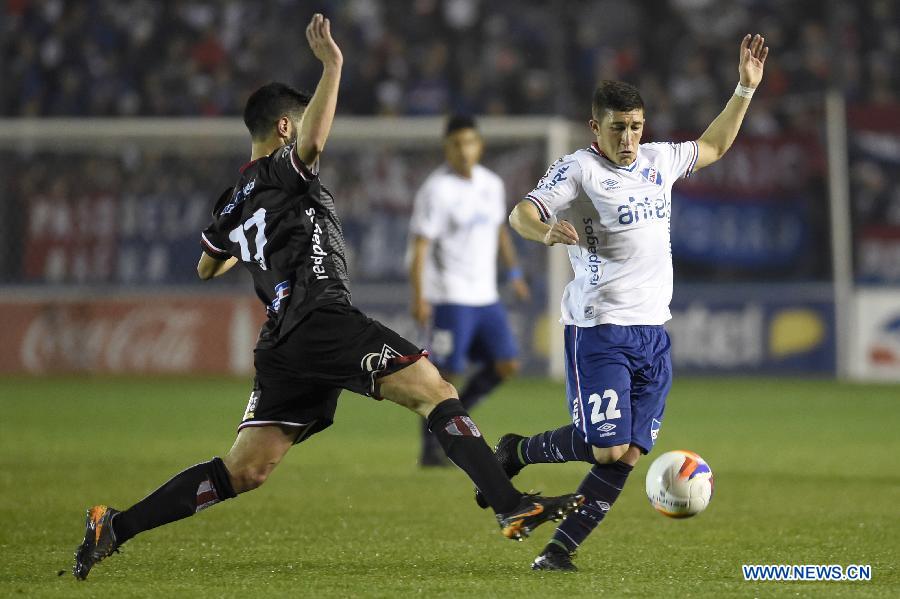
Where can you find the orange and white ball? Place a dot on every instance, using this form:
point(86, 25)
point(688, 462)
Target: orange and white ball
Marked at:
point(679, 484)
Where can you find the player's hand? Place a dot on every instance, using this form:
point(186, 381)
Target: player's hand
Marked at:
point(561, 232)
point(520, 288)
point(753, 59)
point(421, 312)
point(323, 46)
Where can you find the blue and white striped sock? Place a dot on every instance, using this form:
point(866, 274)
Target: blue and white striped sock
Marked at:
point(564, 444)
point(601, 488)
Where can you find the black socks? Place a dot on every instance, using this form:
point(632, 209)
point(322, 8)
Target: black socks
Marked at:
point(462, 442)
point(184, 495)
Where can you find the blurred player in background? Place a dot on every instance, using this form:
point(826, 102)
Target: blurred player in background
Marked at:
point(458, 225)
point(279, 221)
point(611, 204)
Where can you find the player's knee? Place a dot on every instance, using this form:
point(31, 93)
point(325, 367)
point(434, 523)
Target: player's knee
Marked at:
point(247, 478)
point(437, 391)
point(435, 388)
point(507, 368)
point(608, 455)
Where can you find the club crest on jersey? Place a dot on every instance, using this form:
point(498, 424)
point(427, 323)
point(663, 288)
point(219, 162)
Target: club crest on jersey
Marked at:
point(372, 362)
point(282, 290)
point(652, 175)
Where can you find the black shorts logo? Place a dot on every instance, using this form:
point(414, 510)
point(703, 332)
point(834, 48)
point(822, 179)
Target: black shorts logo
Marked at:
point(372, 361)
point(250, 412)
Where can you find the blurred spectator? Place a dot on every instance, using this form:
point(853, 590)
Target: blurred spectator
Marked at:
point(200, 57)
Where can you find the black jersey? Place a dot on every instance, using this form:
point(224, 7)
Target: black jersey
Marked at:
point(280, 222)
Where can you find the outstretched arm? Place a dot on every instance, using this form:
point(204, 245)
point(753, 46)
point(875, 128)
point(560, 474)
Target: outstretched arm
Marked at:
point(319, 115)
point(720, 134)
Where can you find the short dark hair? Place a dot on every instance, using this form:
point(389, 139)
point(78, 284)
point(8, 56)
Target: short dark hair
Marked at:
point(615, 95)
point(459, 121)
point(268, 104)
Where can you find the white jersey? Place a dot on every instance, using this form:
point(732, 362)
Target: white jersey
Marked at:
point(623, 260)
point(461, 217)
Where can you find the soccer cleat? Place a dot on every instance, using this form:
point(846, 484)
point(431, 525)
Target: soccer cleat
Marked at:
point(507, 453)
point(99, 540)
point(533, 511)
point(554, 558)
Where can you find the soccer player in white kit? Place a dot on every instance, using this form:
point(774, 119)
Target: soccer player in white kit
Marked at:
point(458, 227)
point(611, 204)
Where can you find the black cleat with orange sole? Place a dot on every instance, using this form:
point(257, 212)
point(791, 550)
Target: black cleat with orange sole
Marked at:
point(533, 511)
point(99, 540)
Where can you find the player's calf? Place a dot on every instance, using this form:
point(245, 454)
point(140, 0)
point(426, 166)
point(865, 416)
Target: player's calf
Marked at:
point(418, 387)
point(600, 488)
point(256, 452)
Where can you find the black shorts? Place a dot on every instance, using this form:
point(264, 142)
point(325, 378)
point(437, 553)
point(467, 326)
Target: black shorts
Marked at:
point(334, 347)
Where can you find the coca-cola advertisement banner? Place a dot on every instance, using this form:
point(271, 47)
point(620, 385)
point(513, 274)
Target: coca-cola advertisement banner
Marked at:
point(161, 334)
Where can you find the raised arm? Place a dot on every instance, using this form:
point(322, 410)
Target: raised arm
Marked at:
point(720, 134)
point(319, 115)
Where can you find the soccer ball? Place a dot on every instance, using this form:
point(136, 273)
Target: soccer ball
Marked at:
point(679, 484)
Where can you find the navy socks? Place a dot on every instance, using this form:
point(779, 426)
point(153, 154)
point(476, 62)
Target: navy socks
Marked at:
point(564, 444)
point(601, 488)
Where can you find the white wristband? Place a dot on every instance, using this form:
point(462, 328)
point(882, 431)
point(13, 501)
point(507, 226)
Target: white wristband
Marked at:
point(744, 92)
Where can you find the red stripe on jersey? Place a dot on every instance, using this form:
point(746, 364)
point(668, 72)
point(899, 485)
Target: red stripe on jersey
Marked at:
point(212, 249)
point(247, 165)
point(299, 166)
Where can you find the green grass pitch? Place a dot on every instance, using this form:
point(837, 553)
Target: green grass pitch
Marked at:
point(806, 473)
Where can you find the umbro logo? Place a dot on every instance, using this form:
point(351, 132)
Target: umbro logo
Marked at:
point(605, 428)
point(609, 184)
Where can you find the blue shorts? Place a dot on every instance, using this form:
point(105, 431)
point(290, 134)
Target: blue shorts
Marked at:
point(617, 379)
point(476, 333)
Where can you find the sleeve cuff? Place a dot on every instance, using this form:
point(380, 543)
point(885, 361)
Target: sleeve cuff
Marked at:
point(212, 250)
point(541, 207)
point(695, 155)
point(307, 173)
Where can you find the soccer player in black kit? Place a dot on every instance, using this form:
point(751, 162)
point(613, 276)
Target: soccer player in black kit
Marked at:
point(280, 222)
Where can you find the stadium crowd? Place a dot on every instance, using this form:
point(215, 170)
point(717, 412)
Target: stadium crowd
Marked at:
point(431, 57)
point(415, 57)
